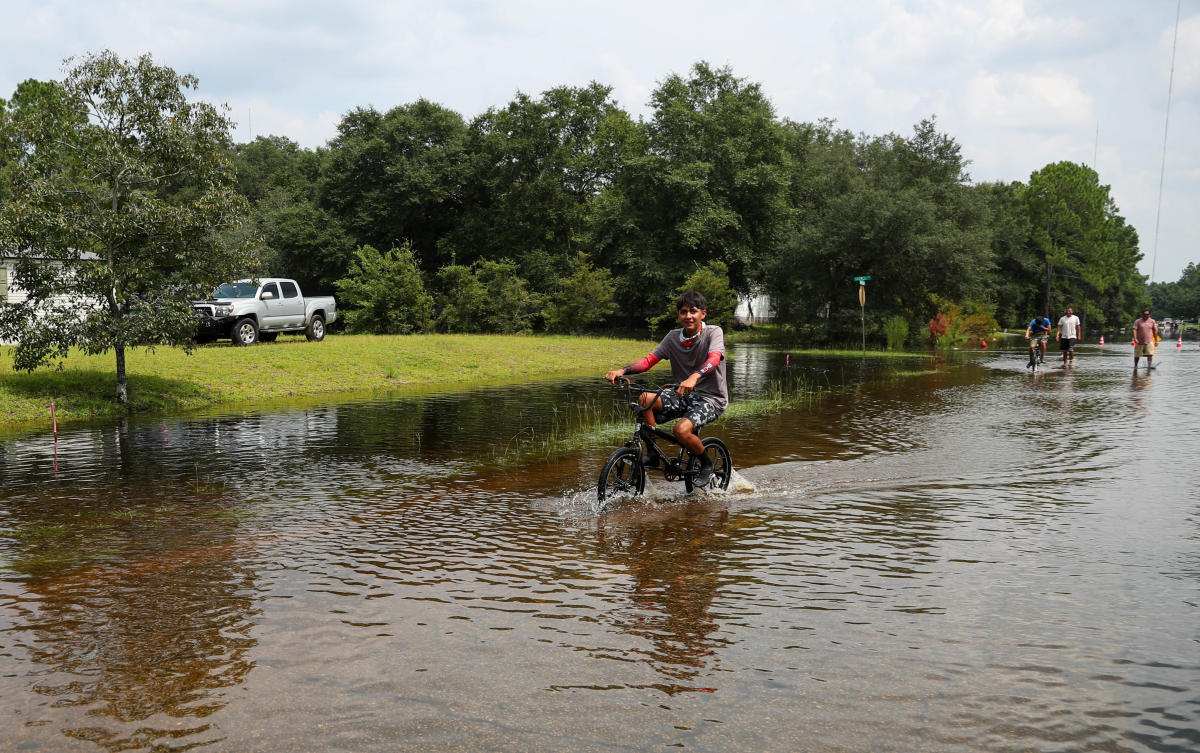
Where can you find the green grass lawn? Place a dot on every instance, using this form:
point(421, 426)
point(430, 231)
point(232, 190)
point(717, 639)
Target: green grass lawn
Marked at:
point(168, 380)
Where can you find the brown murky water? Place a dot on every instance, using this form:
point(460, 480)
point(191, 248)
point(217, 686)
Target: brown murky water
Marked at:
point(966, 558)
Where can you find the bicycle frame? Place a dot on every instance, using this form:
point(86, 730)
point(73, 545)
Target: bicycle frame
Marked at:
point(672, 466)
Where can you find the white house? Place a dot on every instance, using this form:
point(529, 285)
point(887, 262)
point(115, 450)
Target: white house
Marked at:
point(755, 308)
point(10, 288)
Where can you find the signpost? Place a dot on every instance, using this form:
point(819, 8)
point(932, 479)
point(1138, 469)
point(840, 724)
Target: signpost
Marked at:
point(862, 306)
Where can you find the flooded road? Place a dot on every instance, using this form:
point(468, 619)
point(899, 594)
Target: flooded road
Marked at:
point(935, 555)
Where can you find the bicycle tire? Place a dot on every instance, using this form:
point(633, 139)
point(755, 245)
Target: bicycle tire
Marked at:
point(622, 474)
point(718, 453)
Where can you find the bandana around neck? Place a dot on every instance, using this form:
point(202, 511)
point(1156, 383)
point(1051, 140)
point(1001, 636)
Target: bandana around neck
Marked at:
point(688, 342)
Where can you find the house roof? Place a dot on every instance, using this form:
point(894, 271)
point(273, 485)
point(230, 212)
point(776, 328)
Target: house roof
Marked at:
point(51, 256)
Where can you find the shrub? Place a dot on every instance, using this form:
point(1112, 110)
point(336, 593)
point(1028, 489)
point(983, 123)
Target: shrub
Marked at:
point(487, 297)
point(955, 324)
point(383, 293)
point(581, 299)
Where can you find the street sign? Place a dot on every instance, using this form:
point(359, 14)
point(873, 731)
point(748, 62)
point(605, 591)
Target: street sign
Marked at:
point(862, 306)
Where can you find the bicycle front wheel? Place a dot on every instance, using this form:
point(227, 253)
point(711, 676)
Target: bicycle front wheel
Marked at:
point(622, 475)
point(718, 453)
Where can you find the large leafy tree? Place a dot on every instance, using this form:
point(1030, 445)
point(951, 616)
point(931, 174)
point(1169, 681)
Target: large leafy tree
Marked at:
point(711, 186)
point(396, 177)
point(298, 237)
point(581, 298)
point(1018, 269)
point(383, 293)
point(1088, 253)
point(538, 166)
point(122, 191)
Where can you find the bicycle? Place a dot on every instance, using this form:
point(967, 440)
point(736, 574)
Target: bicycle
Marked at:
point(625, 473)
point(1035, 354)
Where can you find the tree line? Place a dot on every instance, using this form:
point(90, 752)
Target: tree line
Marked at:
point(556, 212)
point(543, 206)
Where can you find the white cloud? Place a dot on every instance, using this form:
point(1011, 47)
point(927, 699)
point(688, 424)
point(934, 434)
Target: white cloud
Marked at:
point(1020, 100)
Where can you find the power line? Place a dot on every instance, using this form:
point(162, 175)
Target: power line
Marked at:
point(1166, 125)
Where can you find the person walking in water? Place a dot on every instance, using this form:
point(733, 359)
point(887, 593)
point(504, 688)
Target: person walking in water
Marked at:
point(1069, 332)
point(1145, 339)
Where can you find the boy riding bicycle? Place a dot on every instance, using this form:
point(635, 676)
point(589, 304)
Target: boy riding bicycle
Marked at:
point(1037, 333)
point(697, 355)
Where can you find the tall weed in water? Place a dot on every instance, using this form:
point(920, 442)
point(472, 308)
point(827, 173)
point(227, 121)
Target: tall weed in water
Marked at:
point(896, 331)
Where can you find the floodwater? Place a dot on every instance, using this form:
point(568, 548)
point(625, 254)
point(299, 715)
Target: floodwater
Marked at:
point(936, 555)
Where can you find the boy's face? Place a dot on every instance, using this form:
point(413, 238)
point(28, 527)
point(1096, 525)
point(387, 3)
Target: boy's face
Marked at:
point(690, 318)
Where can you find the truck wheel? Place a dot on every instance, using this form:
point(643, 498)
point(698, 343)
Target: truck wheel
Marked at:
point(316, 329)
point(267, 337)
point(244, 332)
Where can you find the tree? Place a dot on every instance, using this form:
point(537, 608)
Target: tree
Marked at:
point(711, 186)
point(899, 209)
point(1018, 267)
point(121, 194)
point(302, 241)
point(396, 177)
point(383, 293)
point(1180, 299)
point(581, 299)
point(1089, 255)
point(271, 163)
point(537, 166)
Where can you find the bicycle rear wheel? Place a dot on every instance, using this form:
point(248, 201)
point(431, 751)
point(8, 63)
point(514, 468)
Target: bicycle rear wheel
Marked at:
point(622, 475)
point(716, 451)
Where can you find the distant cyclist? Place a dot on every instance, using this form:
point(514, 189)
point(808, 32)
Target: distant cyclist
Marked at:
point(1037, 333)
point(1069, 332)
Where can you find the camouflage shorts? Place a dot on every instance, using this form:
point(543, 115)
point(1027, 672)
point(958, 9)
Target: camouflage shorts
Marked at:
point(691, 406)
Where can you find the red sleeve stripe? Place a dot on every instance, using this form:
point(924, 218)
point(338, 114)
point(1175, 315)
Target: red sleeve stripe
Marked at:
point(713, 360)
point(643, 365)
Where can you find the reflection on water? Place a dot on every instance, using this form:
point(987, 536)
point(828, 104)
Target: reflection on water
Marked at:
point(938, 555)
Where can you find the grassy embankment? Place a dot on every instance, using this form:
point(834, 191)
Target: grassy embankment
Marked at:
point(294, 370)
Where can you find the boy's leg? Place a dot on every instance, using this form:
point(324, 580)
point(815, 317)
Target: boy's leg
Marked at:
point(665, 407)
point(685, 434)
point(699, 413)
point(644, 400)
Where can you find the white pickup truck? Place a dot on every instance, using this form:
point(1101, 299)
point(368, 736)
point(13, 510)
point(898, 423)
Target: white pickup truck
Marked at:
point(247, 312)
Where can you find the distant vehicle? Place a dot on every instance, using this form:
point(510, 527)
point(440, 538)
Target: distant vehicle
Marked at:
point(246, 312)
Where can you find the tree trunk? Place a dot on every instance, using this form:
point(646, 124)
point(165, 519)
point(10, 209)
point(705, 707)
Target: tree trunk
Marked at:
point(1049, 286)
point(122, 391)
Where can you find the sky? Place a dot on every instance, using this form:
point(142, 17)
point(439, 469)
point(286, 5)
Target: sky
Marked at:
point(1019, 84)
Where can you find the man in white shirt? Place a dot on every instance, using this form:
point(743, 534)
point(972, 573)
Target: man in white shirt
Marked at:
point(1069, 332)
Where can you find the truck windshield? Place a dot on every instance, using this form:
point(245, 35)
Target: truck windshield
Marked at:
point(236, 290)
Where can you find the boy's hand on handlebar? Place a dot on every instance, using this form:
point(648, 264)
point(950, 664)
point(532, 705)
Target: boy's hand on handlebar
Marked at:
point(687, 385)
point(612, 376)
